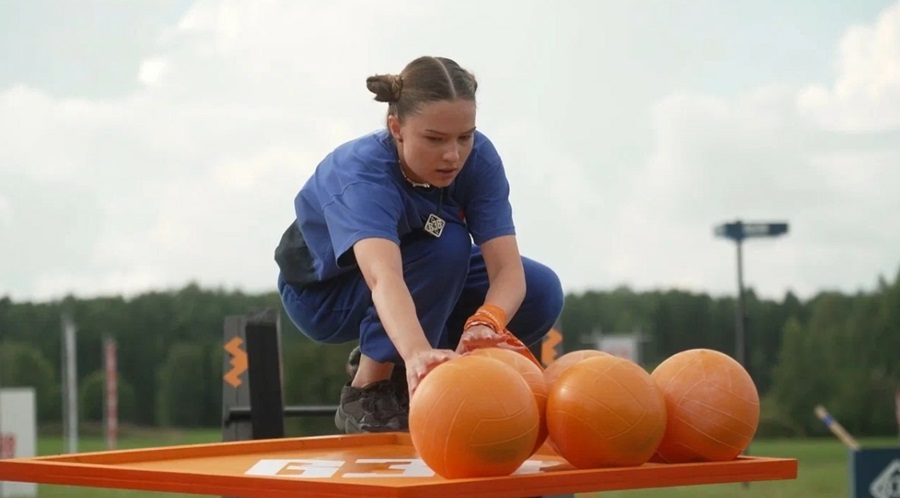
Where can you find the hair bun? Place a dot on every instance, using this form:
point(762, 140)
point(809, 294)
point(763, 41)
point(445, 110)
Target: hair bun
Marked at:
point(386, 87)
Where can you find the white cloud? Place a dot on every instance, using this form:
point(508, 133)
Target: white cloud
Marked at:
point(152, 71)
point(555, 200)
point(761, 157)
point(192, 175)
point(6, 213)
point(866, 92)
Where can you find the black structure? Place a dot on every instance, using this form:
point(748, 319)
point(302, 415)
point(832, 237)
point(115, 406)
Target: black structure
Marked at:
point(252, 401)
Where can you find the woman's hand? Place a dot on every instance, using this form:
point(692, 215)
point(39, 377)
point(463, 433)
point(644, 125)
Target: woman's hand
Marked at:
point(422, 362)
point(479, 336)
point(482, 336)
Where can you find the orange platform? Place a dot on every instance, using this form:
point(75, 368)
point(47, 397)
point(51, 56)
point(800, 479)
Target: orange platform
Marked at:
point(376, 465)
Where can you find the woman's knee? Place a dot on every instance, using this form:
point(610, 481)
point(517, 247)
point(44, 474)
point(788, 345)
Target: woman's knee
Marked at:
point(544, 287)
point(324, 315)
point(543, 303)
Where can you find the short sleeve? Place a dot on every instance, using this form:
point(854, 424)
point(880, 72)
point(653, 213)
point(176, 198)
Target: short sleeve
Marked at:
point(362, 210)
point(488, 211)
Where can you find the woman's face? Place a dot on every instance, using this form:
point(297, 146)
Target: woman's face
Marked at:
point(435, 142)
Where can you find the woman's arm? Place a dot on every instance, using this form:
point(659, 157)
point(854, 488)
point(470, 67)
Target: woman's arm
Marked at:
point(506, 290)
point(382, 267)
point(505, 274)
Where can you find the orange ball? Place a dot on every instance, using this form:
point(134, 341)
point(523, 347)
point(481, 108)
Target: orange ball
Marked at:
point(473, 416)
point(560, 365)
point(533, 376)
point(555, 369)
point(713, 407)
point(605, 411)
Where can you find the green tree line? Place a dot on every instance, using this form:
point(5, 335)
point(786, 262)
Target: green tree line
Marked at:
point(836, 349)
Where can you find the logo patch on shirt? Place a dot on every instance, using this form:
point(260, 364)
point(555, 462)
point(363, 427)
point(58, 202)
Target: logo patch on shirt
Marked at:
point(434, 225)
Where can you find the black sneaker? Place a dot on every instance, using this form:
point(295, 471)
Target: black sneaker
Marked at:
point(401, 387)
point(353, 362)
point(398, 377)
point(373, 408)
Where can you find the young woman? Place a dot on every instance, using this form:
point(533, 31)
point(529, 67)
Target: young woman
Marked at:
point(404, 240)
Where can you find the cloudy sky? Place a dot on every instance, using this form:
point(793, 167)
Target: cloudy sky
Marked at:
point(151, 143)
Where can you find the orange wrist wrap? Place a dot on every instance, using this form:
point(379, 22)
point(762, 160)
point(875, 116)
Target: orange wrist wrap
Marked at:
point(490, 316)
point(494, 318)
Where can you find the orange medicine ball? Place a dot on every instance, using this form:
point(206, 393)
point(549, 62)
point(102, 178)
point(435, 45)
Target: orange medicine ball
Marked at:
point(532, 374)
point(555, 369)
point(605, 411)
point(713, 407)
point(473, 416)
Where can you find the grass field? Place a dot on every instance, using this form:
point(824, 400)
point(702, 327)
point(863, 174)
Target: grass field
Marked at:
point(823, 465)
point(128, 440)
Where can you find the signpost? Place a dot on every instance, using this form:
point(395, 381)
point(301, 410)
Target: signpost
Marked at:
point(738, 231)
point(111, 389)
point(18, 435)
point(70, 384)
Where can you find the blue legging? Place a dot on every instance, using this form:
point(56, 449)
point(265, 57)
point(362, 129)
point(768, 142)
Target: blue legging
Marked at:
point(448, 282)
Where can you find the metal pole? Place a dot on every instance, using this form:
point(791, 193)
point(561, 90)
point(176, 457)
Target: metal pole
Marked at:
point(742, 350)
point(742, 346)
point(2, 483)
point(740, 333)
point(70, 384)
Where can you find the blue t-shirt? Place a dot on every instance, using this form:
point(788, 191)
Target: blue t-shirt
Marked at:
point(358, 191)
